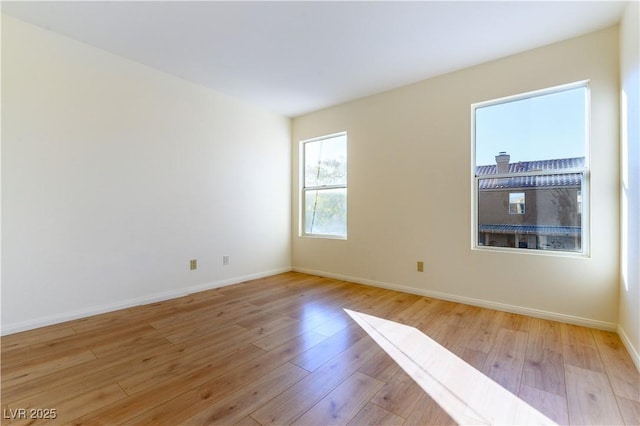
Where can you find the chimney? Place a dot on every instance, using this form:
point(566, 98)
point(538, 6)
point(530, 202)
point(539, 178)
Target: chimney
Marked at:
point(502, 161)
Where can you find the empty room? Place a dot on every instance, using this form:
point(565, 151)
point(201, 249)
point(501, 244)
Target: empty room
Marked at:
point(315, 213)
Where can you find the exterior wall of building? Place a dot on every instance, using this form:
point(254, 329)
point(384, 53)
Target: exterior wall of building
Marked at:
point(551, 206)
point(543, 206)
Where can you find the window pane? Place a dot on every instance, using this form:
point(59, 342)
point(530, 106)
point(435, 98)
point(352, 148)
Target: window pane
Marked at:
point(544, 127)
point(516, 203)
point(325, 212)
point(530, 170)
point(325, 161)
point(550, 221)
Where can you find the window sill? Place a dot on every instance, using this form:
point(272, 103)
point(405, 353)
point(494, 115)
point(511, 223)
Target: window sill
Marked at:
point(533, 252)
point(324, 237)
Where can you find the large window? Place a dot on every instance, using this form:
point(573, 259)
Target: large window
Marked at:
point(324, 186)
point(532, 148)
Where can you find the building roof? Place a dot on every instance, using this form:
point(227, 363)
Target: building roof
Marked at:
point(555, 180)
point(573, 231)
point(531, 166)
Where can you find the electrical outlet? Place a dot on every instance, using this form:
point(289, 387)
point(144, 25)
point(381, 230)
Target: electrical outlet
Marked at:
point(225, 260)
point(193, 264)
point(420, 266)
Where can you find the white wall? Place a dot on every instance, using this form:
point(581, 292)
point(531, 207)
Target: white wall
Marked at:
point(410, 190)
point(114, 175)
point(629, 328)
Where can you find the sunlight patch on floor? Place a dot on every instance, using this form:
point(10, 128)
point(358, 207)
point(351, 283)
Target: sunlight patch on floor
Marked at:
point(467, 395)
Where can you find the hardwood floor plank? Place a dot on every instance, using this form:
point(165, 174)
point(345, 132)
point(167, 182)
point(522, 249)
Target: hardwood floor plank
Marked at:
point(399, 395)
point(237, 405)
point(505, 361)
point(482, 335)
point(295, 401)
point(550, 404)
point(415, 311)
point(329, 348)
point(218, 314)
point(579, 348)
point(166, 369)
point(202, 330)
point(624, 377)
point(590, 398)
point(390, 308)
point(69, 344)
point(449, 336)
point(544, 363)
point(630, 411)
point(462, 315)
point(609, 344)
point(123, 347)
point(576, 335)
point(158, 397)
point(334, 325)
point(544, 370)
point(192, 398)
point(582, 356)
point(38, 336)
point(380, 366)
point(101, 372)
point(372, 414)
point(515, 322)
point(622, 372)
point(286, 334)
point(72, 403)
point(247, 421)
point(343, 403)
point(105, 321)
point(267, 328)
point(545, 335)
point(314, 314)
point(212, 353)
point(427, 412)
point(474, 358)
point(35, 370)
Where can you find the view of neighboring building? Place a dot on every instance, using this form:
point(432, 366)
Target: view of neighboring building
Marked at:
point(531, 204)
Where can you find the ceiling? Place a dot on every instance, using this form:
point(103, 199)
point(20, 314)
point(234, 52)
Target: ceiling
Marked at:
point(298, 57)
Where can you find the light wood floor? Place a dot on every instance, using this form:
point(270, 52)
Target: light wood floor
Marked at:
point(281, 350)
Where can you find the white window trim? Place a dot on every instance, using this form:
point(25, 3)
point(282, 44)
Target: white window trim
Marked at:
point(303, 189)
point(586, 175)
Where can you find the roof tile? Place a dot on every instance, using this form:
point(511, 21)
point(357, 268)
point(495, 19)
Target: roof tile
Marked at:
point(568, 179)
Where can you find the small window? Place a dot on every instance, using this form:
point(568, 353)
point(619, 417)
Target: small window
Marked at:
point(579, 201)
point(516, 203)
point(531, 170)
point(324, 186)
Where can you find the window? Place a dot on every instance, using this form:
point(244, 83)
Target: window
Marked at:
point(530, 170)
point(516, 203)
point(324, 186)
point(579, 201)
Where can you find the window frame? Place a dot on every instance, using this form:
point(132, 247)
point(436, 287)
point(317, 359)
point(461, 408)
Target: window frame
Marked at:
point(304, 189)
point(524, 202)
point(585, 189)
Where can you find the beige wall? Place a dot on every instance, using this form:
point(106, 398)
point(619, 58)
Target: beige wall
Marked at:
point(115, 175)
point(629, 328)
point(410, 190)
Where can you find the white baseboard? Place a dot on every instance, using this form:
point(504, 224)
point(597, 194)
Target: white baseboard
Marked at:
point(522, 310)
point(633, 352)
point(145, 300)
